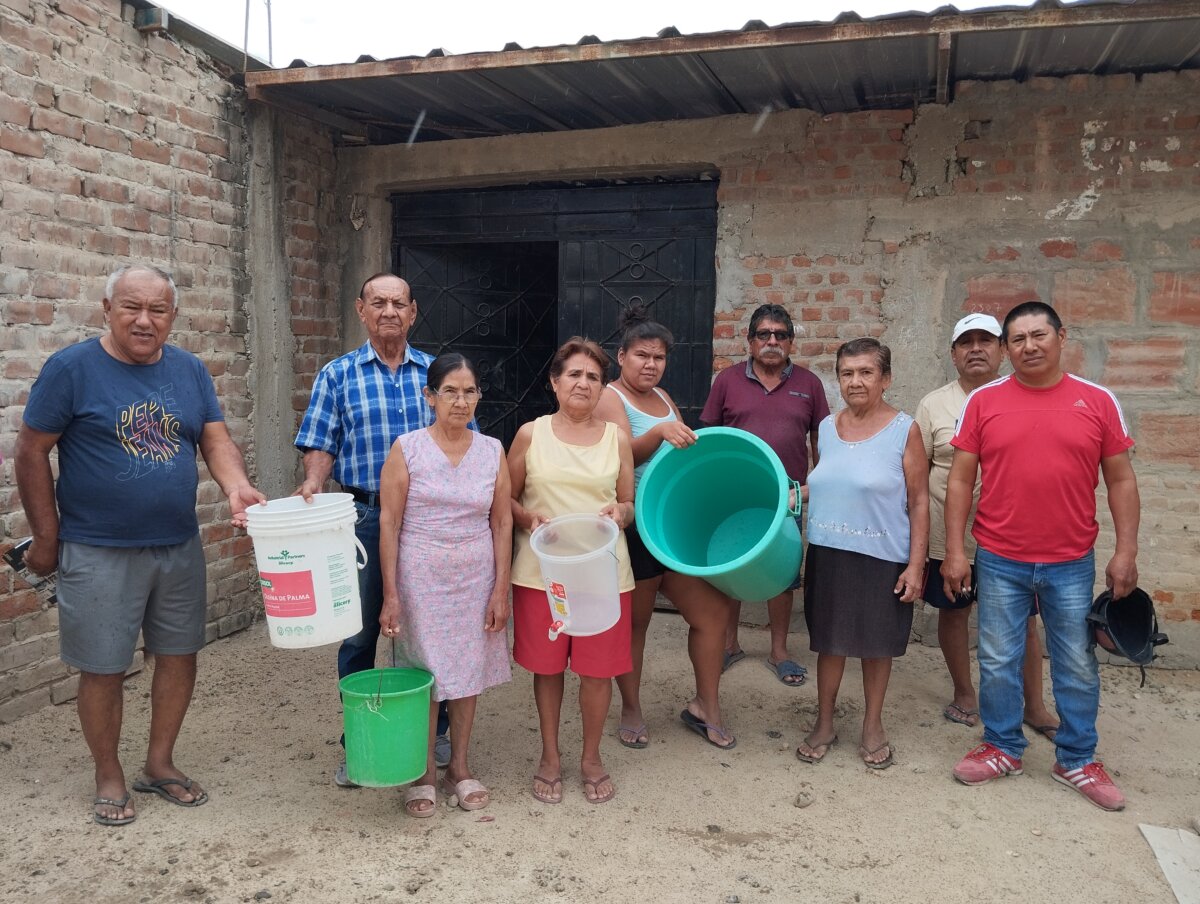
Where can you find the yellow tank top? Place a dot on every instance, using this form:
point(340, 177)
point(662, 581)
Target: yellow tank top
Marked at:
point(563, 479)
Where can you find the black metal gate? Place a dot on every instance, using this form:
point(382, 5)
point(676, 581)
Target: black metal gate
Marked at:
point(494, 303)
point(505, 275)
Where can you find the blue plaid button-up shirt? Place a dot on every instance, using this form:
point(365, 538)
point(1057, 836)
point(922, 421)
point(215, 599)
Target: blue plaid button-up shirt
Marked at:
point(358, 408)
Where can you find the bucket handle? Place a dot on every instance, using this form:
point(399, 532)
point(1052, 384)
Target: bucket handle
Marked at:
point(363, 551)
point(794, 512)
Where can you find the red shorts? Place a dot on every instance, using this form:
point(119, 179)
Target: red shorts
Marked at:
point(604, 655)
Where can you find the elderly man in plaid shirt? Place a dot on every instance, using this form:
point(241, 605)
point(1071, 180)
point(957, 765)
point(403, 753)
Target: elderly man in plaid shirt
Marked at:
point(360, 403)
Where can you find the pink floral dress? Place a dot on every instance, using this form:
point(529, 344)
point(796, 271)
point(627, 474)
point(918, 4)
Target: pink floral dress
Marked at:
point(446, 568)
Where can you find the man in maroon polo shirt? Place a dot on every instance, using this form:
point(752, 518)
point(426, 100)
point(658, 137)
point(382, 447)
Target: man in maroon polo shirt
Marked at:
point(783, 404)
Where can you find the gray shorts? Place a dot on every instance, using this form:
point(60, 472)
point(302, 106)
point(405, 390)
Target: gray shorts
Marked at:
point(106, 594)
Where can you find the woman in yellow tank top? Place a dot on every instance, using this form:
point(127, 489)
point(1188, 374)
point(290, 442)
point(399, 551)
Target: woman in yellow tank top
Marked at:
point(566, 463)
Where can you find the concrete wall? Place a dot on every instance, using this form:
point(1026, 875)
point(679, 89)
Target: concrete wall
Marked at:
point(118, 147)
point(1082, 192)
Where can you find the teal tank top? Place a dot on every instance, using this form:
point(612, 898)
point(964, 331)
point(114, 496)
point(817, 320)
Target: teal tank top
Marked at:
point(640, 423)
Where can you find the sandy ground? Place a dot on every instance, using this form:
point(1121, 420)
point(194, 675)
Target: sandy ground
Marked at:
point(689, 823)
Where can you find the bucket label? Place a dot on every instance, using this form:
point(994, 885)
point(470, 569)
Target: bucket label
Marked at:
point(286, 558)
point(339, 582)
point(288, 594)
point(558, 599)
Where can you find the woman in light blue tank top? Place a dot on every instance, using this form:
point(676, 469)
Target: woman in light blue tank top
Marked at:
point(868, 532)
point(635, 404)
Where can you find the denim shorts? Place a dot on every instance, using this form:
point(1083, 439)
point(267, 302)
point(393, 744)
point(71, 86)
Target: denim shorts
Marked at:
point(107, 594)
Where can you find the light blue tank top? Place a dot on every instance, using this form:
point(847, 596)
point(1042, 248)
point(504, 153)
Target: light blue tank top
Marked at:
point(640, 423)
point(857, 497)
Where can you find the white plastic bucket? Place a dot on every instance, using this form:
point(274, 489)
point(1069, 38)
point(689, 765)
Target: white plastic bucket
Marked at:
point(579, 566)
point(307, 568)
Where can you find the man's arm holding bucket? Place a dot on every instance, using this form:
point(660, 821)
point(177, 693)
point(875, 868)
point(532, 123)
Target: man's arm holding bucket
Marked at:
point(318, 466)
point(228, 469)
point(393, 500)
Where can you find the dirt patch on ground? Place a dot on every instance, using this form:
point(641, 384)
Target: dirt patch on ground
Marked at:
point(690, 823)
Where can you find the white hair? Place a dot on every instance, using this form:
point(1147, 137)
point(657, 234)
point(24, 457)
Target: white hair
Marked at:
point(116, 275)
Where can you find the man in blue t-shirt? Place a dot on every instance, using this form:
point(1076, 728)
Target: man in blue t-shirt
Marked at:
point(127, 413)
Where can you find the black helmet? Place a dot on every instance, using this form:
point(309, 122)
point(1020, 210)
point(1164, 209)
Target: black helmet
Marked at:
point(1126, 627)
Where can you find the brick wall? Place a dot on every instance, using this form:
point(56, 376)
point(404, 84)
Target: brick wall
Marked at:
point(118, 147)
point(1080, 192)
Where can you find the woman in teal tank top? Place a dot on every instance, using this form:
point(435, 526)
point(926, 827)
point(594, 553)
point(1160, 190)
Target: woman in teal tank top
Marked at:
point(635, 404)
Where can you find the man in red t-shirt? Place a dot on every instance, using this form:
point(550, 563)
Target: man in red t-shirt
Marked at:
point(782, 404)
point(1038, 440)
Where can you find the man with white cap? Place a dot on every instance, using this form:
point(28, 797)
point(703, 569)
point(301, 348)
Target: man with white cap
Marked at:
point(976, 354)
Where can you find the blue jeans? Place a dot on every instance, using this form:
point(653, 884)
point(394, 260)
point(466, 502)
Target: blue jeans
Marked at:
point(1007, 589)
point(357, 653)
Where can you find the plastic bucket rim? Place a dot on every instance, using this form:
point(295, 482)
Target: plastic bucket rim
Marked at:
point(781, 509)
point(320, 501)
point(345, 522)
point(374, 676)
point(609, 525)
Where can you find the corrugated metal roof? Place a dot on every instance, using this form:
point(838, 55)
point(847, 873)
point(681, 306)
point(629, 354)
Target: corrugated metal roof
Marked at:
point(850, 64)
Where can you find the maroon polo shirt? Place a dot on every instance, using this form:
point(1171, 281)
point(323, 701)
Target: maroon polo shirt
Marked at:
point(782, 417)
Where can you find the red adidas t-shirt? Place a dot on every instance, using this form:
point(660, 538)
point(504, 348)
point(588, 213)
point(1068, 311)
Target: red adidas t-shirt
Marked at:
point(1039, 459)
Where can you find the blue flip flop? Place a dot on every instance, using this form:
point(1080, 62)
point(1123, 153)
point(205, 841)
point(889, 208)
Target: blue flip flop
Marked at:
point(731, 658)
point(702, 728)
point(788, 669)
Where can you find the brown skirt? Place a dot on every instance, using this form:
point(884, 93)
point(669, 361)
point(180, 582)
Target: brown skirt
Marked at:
point(849, 605)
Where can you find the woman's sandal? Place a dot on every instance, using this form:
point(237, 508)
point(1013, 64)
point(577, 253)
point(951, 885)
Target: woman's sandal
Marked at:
point(416, 793)
point(458, 791)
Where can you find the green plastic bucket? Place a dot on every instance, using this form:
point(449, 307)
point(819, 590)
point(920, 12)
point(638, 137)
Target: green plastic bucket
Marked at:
point(718, 510)
point(386, 717)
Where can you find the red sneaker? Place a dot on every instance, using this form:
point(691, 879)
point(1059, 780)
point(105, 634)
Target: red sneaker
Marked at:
point(1093, 783)
point(985, 763)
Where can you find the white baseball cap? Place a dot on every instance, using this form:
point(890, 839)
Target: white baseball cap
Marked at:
point(985, 322)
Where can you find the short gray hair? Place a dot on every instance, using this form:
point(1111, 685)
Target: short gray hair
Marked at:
point(116, 275)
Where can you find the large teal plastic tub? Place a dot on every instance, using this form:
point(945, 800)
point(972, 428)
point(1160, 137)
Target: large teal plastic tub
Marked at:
point(718, 510)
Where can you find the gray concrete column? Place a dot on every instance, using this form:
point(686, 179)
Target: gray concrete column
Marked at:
point(272, 344)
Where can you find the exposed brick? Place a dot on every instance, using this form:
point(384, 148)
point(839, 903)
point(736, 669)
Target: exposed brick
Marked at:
point(1144, 364)
point(1102, 251)
point(55, 180)
point(145, 149)
point(111, 92)
point(1168, 438)
point(27, 144)
point(1059, 248)
point(105, 189)
point(58, 123)
point(103, 137)
point(1175, 298)
point(24, 704)
point(191, 160)
point(15, 111)
point(77, 105)
point(1002, 253)
point(998, 293)
point(22, 35)
point(80, 11)
point(1088, 296)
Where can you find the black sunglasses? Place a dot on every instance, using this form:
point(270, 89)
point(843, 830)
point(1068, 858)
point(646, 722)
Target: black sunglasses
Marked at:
point(764, 335)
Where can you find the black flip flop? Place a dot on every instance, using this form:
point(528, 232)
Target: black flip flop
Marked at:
point(112, 820)
point(159, 787)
